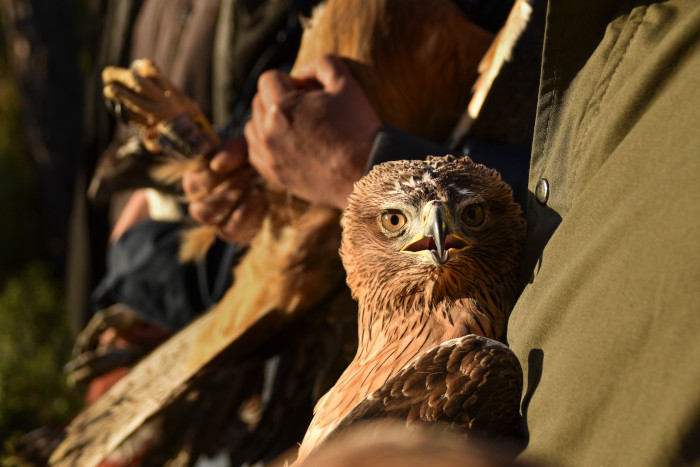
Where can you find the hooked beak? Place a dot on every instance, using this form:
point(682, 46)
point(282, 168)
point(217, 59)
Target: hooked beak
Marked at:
point(437, 237)
point(434, 226)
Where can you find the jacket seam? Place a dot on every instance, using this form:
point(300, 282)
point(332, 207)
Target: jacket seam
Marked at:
point(598, 105)
point(553, 104)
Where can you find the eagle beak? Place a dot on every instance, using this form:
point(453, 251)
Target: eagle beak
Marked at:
point(437, 237)
point(435, 226)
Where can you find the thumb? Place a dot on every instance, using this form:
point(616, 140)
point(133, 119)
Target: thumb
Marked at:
point(328, 70)
point(231, 155)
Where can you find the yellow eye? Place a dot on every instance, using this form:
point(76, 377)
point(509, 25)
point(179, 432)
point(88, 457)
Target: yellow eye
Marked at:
point(474, 215)
point(393, 221)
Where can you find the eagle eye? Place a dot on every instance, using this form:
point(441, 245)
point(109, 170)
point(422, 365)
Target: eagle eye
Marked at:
point(393, 220)
point(474, 215)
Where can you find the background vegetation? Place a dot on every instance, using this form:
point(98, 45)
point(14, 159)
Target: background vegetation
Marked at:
point(35, 339)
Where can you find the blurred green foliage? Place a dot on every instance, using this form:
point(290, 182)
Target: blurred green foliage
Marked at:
point(35, 338)
point(34, 344)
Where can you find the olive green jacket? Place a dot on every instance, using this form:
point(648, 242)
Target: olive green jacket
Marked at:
point(608, 326)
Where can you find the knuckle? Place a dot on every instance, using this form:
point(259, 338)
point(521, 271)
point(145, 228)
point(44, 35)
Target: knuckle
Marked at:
point(249, 133)
point(257, 108)
point(267, 77)
point(197, 212)
point(188, 184)
point(196, 183)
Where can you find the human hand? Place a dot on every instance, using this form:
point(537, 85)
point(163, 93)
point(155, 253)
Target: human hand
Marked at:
point(227, 193)
point(312, 134)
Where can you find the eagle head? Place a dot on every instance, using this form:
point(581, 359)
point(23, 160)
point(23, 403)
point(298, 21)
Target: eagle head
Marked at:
point(419, 233)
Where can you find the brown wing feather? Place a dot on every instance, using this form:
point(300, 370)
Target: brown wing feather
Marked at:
point(472, 383)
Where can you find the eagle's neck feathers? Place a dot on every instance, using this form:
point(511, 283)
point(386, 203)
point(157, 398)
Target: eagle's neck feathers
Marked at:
point(448, 301)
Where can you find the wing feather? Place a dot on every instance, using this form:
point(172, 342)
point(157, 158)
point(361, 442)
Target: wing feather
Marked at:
point(471, 383)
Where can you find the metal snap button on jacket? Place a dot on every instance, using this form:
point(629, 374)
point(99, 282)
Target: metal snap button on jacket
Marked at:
point(542, 191)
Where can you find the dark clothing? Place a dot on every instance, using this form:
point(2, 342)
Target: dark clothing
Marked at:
point(490, 14)
point(143, 272)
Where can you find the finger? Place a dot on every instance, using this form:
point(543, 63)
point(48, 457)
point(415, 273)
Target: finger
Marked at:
point(232, 155)
point(259, 155)
point(273, 85)
point(328, 70)
point(216, 206)
point(199, 183)
point(258, 152)
point(251, 130)
point(259, 162)
point(246, 219)
point(259, 111)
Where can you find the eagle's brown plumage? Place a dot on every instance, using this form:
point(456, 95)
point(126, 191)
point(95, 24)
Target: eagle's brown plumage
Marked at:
point(446, 266)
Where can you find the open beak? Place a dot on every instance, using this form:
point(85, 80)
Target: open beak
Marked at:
point(437, 237)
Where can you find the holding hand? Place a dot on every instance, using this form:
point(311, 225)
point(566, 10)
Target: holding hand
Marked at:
point(227, 194)
point(312, 134)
